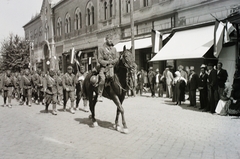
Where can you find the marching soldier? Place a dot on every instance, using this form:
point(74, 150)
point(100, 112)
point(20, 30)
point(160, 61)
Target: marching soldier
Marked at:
point(69, 88)
point(80, 76)
point(16, 85)
point(7, 86)
point(60, 87)
point(35, 79)
point(51, 92)
point(27, 85)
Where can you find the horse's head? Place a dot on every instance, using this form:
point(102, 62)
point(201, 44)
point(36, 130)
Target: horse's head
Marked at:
point(128, 61)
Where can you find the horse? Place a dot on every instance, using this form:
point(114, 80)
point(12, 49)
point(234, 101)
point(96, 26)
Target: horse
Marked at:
point(116, 90)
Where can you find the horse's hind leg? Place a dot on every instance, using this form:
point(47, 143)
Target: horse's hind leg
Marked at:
point(92, 103)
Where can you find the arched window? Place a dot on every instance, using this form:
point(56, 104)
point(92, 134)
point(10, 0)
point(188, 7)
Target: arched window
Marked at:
point(110, 8)
point(67, 23)
point(105, 10)
point(78, 19)
point(59, 27)
point(127, 6)
point(90, 14)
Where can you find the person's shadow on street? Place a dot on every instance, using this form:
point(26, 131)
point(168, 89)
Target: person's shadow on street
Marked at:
point(103, 124)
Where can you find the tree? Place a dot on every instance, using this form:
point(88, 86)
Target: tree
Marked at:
point(15, 53)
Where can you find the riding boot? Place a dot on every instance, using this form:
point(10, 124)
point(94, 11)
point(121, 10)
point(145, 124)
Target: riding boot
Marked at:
point(46, 108)
point(100, 91)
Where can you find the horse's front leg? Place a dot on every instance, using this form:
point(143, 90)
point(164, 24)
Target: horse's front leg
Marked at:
point(121, 110)
point(116, 120)
point(92, 103)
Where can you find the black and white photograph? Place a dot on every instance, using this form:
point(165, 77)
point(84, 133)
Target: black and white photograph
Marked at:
point(120, 79)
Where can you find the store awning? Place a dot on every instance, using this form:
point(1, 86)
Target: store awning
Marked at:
point(188, 44)
point(139, 43)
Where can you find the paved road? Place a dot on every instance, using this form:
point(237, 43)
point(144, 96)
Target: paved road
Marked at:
point(158, 129)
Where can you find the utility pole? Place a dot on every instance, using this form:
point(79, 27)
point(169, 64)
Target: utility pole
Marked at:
point(132, 28)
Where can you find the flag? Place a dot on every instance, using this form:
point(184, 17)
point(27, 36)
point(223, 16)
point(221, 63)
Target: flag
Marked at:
point(89, 60)
point(72, 56)
point(77, 62)
point(156, 41)
point(228, 30)
point(218, 37)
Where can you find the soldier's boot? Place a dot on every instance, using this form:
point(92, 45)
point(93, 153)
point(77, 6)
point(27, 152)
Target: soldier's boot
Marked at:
point(72, 108)
point(46, 108)
point(54, 109)
point(100, 91)
point(85, 108)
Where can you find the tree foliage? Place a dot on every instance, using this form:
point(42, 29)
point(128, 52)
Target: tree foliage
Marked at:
point(14, 53)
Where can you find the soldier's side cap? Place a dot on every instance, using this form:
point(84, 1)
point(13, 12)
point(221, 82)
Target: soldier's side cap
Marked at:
point(203, 66)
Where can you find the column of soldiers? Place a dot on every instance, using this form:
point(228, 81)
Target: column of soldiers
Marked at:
point(45, 89)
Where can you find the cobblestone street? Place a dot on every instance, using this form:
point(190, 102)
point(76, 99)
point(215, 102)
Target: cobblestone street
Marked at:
point(158, 129)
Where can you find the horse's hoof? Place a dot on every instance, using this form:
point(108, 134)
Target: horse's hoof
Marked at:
point(95, 124)
point(90, 116)
point(125, 131)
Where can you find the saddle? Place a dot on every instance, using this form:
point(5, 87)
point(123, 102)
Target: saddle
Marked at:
point(109, 74)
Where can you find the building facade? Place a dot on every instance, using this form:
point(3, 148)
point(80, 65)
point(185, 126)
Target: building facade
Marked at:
point(82, 24)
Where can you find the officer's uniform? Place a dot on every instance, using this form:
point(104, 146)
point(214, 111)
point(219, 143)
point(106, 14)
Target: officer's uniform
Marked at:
point(107, 56)
point(80, 76)
point(36, 81)
point(51, 93)
point(68, 89)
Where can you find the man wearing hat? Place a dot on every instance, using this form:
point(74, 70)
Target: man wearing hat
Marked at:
point(159, 83)
point(26, 87)
point(59, 87)
point(69, 88)
point(212, 88)
point(7, 86)
point(169, 79)
point(80, 76)
point(183, 73)
point(222, 76)
point(202, 87)
point(151, 80)
point(107, 58)
point(193, 85)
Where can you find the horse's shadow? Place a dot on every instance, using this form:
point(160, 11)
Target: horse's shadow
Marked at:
point(103, 124)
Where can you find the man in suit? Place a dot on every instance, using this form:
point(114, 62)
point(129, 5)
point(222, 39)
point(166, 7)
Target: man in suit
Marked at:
point(202, 87)
point(151, 80)
point(159, 83)
point(169, 78)
point(140, 81)
point(193, 85)
point(183, 73)
point(222, 76)
point(212, 88)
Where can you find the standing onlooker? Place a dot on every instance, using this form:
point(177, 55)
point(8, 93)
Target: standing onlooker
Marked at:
point(145, 86)
point(193, 85)
point(169, 78)
point(159, 83)
point(7, 86)
point(222, 76)
point(183, 73)
point(140, 81)
point(202, 86)
point(212, 88)
point(179, 84)
point(151, 80)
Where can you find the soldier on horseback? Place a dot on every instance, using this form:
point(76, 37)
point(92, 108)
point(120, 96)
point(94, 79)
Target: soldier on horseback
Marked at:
point(107, 58)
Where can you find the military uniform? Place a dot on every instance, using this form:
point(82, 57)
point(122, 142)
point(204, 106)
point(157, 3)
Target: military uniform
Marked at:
point(16, 87)
point(107, 57)
point(68, 81)
point(60, 89)
point(7, 86)
point(51, 93)
point(80, 76)
point(35, 78)
point(27, 85)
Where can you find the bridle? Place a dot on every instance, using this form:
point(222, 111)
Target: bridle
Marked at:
point(130, 68)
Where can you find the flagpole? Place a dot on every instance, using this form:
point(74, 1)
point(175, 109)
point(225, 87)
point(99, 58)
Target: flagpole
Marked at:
point(132, 29)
